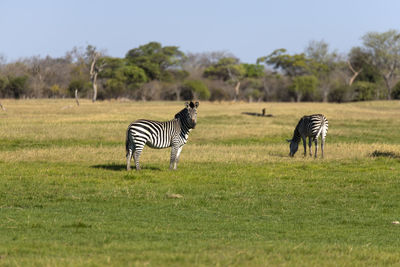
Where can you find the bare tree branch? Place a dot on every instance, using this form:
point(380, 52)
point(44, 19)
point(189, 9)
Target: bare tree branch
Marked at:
point(94, 71)
point(76, 97)
point(355, 73)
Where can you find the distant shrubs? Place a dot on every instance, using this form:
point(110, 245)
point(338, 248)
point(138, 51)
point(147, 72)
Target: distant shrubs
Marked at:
point(195, 89)
point(363, 91)
point(14, 86)
point(340, 94)
point(396, 91)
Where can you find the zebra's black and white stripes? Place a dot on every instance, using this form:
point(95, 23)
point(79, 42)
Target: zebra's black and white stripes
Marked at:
point(312, 127)
point(156, 134)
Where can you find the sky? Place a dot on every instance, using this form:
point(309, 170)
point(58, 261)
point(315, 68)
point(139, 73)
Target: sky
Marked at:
point(248, 29)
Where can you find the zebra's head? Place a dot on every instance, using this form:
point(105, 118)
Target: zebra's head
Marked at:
point(294, 146)
point(190, 114)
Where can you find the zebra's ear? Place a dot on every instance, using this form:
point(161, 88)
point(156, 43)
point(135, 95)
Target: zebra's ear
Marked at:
point(196, 104)
point(186, 104)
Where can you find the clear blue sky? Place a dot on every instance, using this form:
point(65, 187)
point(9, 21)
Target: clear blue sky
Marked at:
point(248, 29)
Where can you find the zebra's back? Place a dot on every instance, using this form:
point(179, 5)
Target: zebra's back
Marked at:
point(155, 134)
point(313, 126)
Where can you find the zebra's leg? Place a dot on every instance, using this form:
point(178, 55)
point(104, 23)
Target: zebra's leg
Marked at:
point(322, 147)
point(316, 147)
point(304, 145)
point(136, 156)
point(178, 153)
point(309, 146)
point(128, 159)
point(172, 162)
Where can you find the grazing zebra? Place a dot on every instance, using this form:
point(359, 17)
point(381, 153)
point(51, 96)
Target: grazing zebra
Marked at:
point(156, 134)
point(312, 127)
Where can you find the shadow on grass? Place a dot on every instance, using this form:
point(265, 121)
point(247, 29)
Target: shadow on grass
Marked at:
point(257, 114)
point(122, 167)
point(386, 154)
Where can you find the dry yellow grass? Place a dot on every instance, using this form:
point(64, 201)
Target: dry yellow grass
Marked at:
point(220, 136)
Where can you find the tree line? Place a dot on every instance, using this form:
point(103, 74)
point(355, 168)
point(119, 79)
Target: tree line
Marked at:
point(156, 72)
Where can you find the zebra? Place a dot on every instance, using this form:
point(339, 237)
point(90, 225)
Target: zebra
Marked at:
point(311, 126)
point(156, 134)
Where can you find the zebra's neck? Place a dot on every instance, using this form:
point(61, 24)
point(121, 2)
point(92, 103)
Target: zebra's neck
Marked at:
point(296, 135)
point(185, 127)
point(184, 124)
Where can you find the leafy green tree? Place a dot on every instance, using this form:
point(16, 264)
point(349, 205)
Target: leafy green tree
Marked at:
point(17, 86)
point(156, 60)
point(291, 65)
point(226, 69)
point(360, 59)
point(304, 85)
point(253, 70)
point(121, 77)
point(384, 49)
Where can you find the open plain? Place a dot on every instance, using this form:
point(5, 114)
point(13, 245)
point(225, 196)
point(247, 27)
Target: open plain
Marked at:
point(237, 198)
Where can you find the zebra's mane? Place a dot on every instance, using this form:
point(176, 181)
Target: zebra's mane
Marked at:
point(296, 133)
point(181, 113)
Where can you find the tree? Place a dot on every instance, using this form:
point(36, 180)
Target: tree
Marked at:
point(228, 70)
point(299, 68)
point(384, 49)
point(322, 65)
point(253, 70)
point(16, 86)
point(156, 60)
point(120, 77)
point(302, 85)
point(291, 65)
point(359, 58)
point(96, 66)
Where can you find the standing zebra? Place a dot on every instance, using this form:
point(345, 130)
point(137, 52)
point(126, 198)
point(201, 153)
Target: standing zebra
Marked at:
point(312, 127)
point(156, 134)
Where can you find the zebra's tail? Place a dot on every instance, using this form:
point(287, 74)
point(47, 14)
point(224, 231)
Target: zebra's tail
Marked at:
point(127, 141)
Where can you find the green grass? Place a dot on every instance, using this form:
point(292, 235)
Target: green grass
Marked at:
point(66, 199)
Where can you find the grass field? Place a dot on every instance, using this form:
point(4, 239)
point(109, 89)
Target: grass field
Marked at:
point(67, 200)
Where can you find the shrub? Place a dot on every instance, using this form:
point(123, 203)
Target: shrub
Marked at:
point(304, 86)
point(82, 86)
point(218, 94)
point(340, 94)
point(396, 91)
point(195, 89)
point(16, 86)
point(364, 91)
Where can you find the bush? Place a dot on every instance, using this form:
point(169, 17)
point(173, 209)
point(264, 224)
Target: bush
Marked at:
point(364, 91)
point(304, 87)
point(396, 91)
point(340, 94)
point(195, 89)
point(218, 94)
point(3, 85)
point(16, 86)
point(82, 86)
